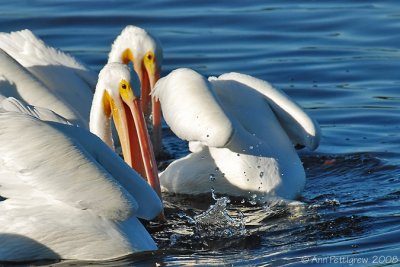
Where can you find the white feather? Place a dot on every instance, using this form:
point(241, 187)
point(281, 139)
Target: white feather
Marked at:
point(138, 41)
point(67, 195)
point(44, 114)
point(193, 118)
point(30, 51)
point(250, 153)
point(60, 72)
point(300, 127)
point(16, 81)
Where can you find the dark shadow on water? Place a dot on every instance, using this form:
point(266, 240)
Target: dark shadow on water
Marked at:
point(28, 250)
point(141, 259)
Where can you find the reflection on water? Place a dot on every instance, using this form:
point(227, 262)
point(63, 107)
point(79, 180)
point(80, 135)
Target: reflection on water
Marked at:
point(339, 60)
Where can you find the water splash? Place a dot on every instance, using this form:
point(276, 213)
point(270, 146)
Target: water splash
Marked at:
point(189, 219)
point(216, 222)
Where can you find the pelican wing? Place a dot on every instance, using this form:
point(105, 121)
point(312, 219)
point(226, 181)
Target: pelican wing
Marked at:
point(300, 127)
point(66, 78)
point(60, 163)
point(30, 51)
point(44, 114)
point(16, 81)
point(149, 203)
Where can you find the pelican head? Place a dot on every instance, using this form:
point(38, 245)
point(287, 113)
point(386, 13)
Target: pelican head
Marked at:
point(137, 46)
point(144, 51)
point(117, 96)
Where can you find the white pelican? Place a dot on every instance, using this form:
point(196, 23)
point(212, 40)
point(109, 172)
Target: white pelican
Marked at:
point(63, 84)
point(42, 76)
point(242, 133)
point(64, 194)
point(117, 96)
point(144, 51)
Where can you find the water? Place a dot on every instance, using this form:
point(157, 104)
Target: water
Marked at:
point(339, 59)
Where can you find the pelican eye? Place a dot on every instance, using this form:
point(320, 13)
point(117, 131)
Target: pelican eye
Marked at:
point(149, 61)
point(149, 58)
point(125, 90)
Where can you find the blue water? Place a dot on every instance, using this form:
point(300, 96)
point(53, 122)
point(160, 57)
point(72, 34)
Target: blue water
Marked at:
point(339, 59)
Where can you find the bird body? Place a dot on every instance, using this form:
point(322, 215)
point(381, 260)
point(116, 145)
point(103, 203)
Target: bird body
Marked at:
point(237, 133)
point(61, 81)
point(43, 76)
point(67, 195)
point(63, 192)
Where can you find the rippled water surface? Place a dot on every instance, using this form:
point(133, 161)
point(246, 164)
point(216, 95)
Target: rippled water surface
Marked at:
point(339, 59)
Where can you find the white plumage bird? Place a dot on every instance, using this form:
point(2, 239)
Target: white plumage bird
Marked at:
point(144, 51)
point(64, 193)
point(118, 96)
point(241, 133)
point(42, 76)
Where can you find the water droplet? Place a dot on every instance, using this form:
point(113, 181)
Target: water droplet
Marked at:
point(213, 193)
point(212, 177)
point(172, 239)
point(238, 154)
point(251, 147)
point(261, 174)
point(252, 199)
